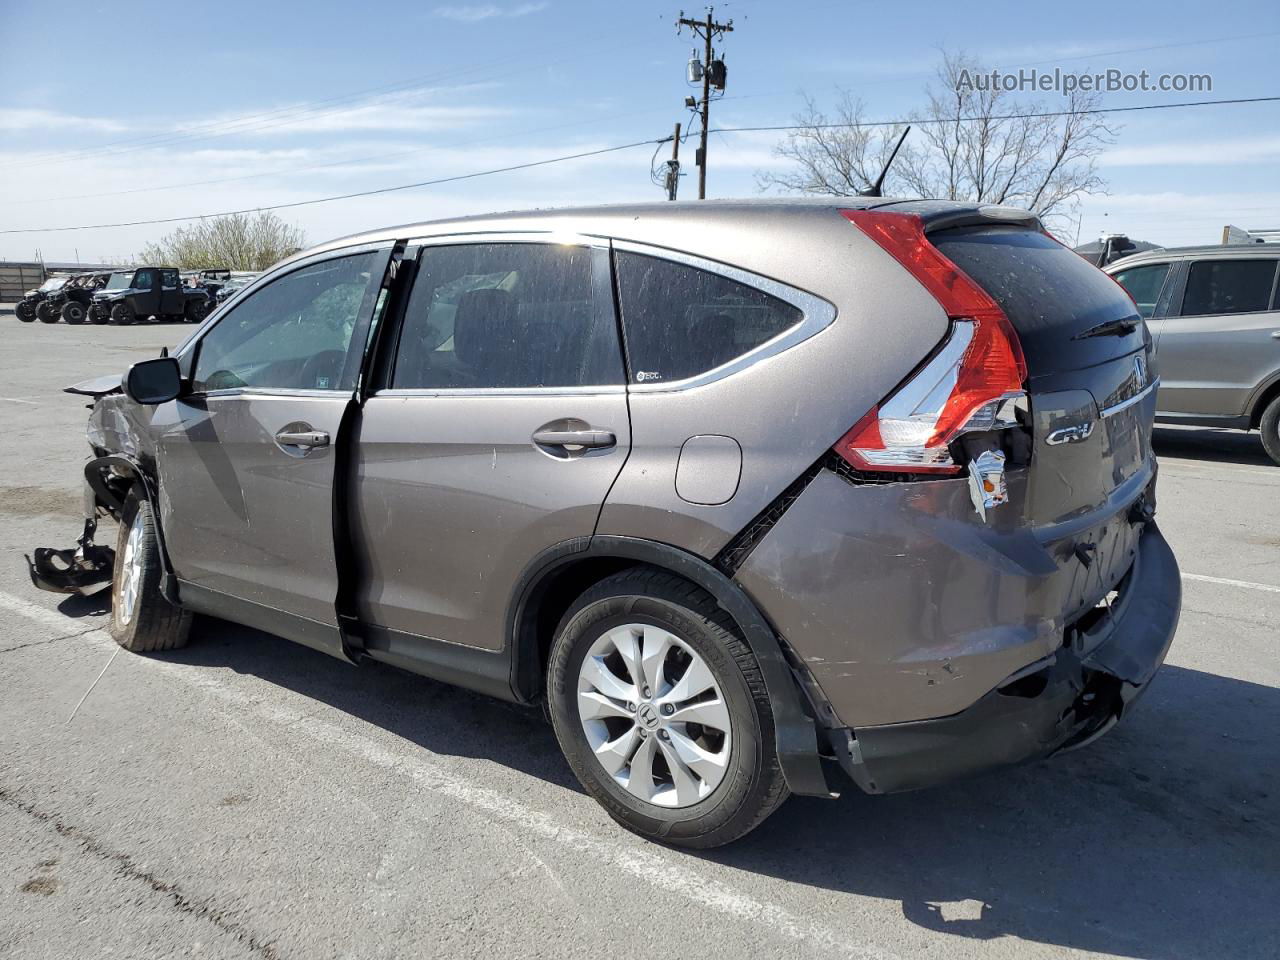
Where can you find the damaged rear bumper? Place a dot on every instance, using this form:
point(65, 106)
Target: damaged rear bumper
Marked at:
point(1064, 701)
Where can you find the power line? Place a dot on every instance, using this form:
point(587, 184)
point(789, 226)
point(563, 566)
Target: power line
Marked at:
point(350, 196)
point(1002, 116)
point(628, 146)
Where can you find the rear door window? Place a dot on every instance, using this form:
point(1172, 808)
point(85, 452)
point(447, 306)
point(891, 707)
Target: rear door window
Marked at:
point(1144, 284)
point(508, 315)
point(680, 321)
point(1228, 286)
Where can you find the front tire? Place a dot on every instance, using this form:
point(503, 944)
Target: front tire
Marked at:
point(1269, 427)
point(73, 312)
point(122, 314)
point(661, 711)
point(142, 620)
point(26, 311)
point(98, 315)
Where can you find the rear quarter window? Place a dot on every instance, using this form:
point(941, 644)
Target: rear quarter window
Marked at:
point(681, 321)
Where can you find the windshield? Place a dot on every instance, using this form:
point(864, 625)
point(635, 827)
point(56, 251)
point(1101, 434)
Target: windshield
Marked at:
point(54, 283)
point(119, 281)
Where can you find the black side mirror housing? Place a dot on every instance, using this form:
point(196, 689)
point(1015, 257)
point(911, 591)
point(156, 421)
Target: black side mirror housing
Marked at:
point(154, 381)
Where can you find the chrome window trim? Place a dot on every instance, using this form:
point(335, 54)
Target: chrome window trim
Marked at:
point(816, 315)
point(566, 238)
point(300, 393)
point(617, 389)
point(1126, 404)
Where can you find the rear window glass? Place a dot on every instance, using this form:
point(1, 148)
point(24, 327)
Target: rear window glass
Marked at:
point(1049, 293)
point(680, 321)
point(1228, 286)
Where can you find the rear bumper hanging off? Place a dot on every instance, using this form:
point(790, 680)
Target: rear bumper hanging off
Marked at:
point(1064, 701)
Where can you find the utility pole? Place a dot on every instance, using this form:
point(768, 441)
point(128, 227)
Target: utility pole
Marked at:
point(673, 166)
point(713, 74)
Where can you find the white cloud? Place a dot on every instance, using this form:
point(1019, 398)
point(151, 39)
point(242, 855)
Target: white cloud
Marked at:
point(27, 118)
point(1211, 151)
point(473, 13)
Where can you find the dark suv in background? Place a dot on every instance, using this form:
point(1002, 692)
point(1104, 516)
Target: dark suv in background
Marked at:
point(144, 292)
point(749, 494)
point(1214, 314)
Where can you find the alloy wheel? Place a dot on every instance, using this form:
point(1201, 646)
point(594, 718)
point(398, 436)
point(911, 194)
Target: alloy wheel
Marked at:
point(131, 568)
point(654, 716)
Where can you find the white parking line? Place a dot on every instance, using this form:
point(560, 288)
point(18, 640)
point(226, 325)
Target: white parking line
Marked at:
point(1225, 466)
point(18, 400)
point(646, 863)
point(1224, 581)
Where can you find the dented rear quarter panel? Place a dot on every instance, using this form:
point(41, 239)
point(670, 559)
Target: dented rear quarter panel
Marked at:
point(904, 604)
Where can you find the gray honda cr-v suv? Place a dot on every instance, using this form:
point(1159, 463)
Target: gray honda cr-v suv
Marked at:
point(748, 493)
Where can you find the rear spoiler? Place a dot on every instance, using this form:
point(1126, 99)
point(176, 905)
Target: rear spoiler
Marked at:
point(946, 214)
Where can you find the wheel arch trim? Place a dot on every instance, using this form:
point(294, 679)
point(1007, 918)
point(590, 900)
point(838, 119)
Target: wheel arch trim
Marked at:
point(795, 733)
point(93, 475)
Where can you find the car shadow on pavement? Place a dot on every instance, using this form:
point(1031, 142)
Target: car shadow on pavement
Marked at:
point(1161, 840)
point(444, 719)
point(1218, 446)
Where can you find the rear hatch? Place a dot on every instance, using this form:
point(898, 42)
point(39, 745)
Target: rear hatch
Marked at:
point(1088, 358)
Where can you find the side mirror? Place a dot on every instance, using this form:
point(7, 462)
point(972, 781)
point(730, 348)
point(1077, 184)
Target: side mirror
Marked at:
point(153, 381)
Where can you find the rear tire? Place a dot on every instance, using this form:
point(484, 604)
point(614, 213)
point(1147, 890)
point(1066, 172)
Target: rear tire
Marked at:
point(47, 312)
point(195, 311)
point(142, 620)
point(720, 801)
point(122, 314)
point(73, 312)
point(1269, 427)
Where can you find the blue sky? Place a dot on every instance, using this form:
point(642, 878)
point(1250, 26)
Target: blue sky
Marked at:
point(285, 102)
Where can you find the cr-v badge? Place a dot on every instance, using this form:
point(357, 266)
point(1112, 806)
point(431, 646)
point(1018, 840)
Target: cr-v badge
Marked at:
point(1080, 431)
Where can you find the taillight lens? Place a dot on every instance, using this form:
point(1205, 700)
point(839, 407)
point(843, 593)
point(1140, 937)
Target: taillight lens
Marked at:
point(964, 387)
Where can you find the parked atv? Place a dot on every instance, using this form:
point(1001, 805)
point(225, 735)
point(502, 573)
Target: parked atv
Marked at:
point(141, 293)
point(33, 305)
point(71, 301)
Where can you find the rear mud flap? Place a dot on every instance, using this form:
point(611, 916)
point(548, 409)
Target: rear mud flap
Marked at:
point(85, 569)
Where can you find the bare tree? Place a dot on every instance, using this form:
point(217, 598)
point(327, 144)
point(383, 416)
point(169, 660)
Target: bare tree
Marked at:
point(240, 241)
point(839, 154)
point(973, 141)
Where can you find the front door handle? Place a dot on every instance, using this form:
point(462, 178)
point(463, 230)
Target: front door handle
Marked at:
point(302, 438)
point(574, 438)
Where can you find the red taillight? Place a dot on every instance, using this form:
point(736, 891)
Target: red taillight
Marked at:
point(962, 388)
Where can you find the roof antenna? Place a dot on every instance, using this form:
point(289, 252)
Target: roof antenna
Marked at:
point(874, 189)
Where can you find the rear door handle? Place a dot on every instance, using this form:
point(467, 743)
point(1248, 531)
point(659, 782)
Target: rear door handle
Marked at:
point(574, 438)
point(302, 438)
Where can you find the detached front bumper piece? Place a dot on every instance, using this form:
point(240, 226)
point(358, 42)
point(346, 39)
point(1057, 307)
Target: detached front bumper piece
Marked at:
point(1063, 701)
point(85, 569)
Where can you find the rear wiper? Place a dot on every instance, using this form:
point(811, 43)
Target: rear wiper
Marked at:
point(1112, 328)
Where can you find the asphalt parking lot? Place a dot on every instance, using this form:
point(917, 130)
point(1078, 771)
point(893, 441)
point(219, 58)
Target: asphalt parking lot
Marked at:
point(246, 797)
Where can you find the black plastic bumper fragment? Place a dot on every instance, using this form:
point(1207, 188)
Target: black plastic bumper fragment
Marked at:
point(1065, 701)
point(84, 569)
